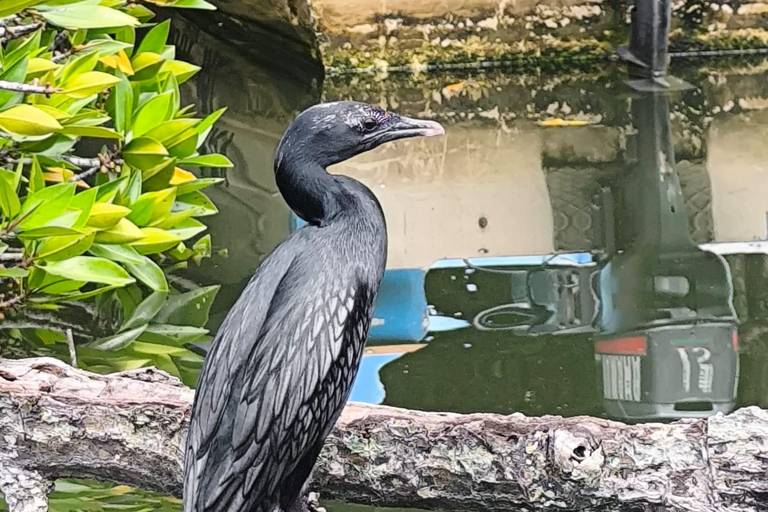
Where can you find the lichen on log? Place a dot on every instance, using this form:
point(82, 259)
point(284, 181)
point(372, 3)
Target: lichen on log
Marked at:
point(128, 428)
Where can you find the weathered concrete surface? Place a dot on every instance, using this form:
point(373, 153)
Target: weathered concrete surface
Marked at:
point(402, 34)
point(497, 165)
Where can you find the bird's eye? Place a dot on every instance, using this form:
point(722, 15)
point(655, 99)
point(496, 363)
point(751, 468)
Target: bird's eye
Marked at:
point(369, 124)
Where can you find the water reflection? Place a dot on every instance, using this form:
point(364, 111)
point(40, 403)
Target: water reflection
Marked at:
point(588, 270)
point(641, 327)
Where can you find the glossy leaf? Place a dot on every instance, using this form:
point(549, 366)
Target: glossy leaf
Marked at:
point(145, 311)
point(55, 198)
point(123, 232)
point(27, 120)
point(9, 7)
point(183, 71)
point(120, 253)
point(62, 247)
point(80, 16)
point(144, 153)
point(14, 273)
point(155, 39)
point(153, 207)
point(148, 273)
point(190, 308)
point(152, 114)
point(118, 341)
point(87, 84)
point(146, 65)
point(47, 231)
point(91, 131)
point(90, 269)
point(197, 201)
point(155, 240)
point(9, 201)
point(187, 229)
point(198, 184)
point(213, 160)
point(106, 215)
point(172, 335)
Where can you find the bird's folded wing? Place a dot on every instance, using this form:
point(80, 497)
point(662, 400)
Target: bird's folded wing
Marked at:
point(269, 385)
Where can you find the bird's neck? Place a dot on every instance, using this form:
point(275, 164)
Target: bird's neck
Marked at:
point(307, 188)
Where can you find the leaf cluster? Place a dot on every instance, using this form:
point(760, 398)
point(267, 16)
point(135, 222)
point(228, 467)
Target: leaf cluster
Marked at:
point(76, 224)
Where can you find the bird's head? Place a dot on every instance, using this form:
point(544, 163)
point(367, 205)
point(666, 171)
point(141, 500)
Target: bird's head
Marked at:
point(330, 133)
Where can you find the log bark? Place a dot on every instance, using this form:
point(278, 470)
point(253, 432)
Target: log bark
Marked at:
point(128, 428)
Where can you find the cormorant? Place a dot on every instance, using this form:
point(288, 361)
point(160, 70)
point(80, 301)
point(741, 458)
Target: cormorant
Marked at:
point(281, 366)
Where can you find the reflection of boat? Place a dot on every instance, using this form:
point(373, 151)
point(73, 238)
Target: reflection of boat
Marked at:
point(669, 372)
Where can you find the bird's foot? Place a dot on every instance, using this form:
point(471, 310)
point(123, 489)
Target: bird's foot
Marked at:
point(313, 502)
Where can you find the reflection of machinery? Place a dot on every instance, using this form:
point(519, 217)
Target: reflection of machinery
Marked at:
point(667, 343)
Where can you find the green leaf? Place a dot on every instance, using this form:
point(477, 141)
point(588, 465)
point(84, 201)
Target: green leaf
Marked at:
point(193, 4)
point(15, 273)
point(47, 231)
point(121, 253)
point(79, 16)
point(36, 180)
point(204, 128)
point(155, 241)
point(152, 114)
point(91, 131)
point(188, 228)
point(9, 7)
point(149, 273)
point(123, 232)
point(106, 215)
point(120, 103)
point(133, 190)
point(198, 184)
point(83, 202)
point(13, 72)
point(202, 248)
point(151, 208)
point(55, 199)
point(27, 120)
point(81, 64)
point(144, 153)
point(90, 269)
point(63, 247)
point(197, 201)
point(9, 201)
point(87, 84)
point(145, 311)
point(172, 335)
point(183, 71)
point(146, 65)
point(155, 39)
point(118, 341)
point(213, 160)
point(74, 296)
point(172, 132)
point(190, 308)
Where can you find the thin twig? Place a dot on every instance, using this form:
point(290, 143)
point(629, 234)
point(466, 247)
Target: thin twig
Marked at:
point(83, 163)
point(13, 18)
point(11, 302)
point(84, 174)
point(72, 352)
point(46, 89)
point(11, 33)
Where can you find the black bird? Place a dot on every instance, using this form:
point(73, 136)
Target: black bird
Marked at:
point(282, 364)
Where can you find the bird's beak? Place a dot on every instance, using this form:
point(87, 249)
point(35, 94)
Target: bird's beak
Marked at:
point(408, 127)
point(403, 128)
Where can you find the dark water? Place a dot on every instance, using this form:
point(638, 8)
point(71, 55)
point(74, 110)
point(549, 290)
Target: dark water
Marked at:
point(569, 247)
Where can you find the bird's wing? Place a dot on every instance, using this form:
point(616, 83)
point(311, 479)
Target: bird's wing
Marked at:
point(258, 404)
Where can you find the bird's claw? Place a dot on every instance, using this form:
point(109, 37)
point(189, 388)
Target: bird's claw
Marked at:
point(313, 503)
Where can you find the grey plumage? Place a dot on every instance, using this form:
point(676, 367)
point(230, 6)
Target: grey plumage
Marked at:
point(283, 362)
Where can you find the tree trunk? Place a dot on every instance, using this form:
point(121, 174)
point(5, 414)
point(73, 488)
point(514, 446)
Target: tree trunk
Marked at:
point(129, 428)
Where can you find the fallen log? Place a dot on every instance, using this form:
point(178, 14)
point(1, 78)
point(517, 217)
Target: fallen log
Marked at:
point(128, 428)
